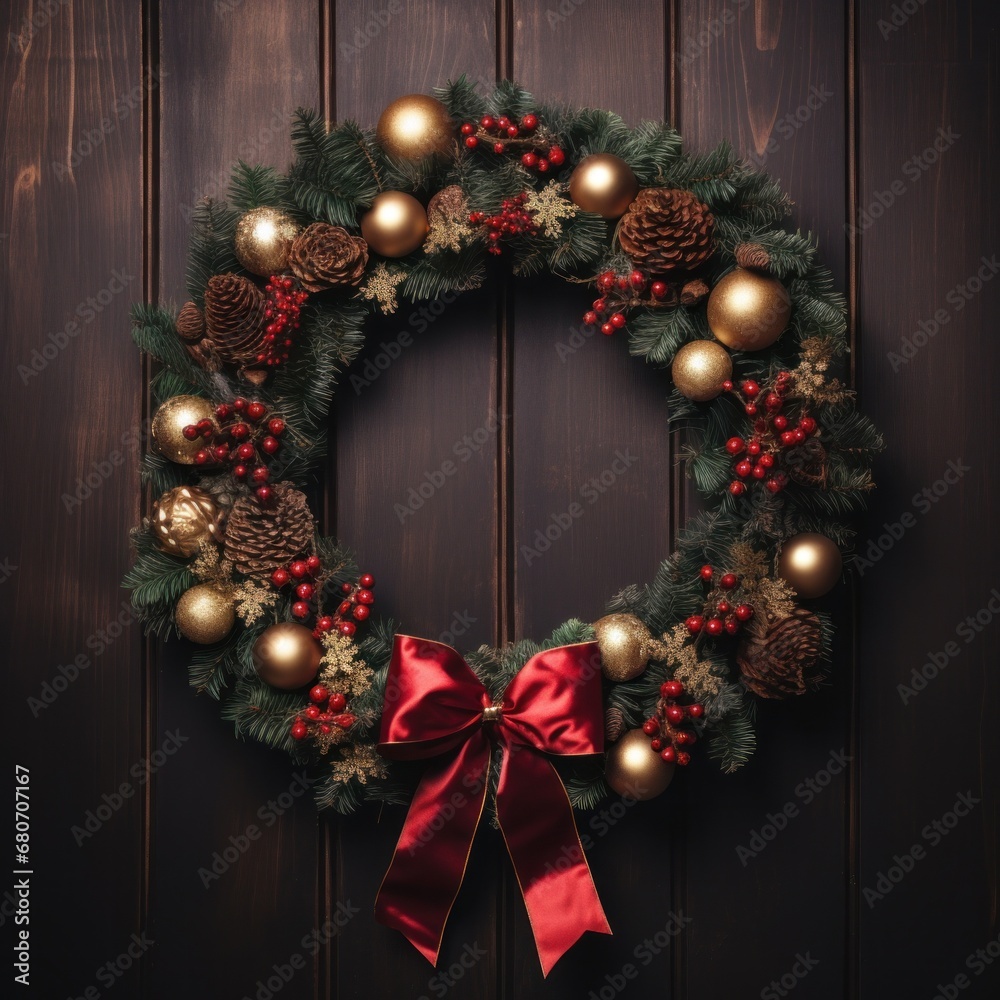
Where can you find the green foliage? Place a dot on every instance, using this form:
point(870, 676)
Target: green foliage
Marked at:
point(156, 580)
point(256, 186)
point(213, 230)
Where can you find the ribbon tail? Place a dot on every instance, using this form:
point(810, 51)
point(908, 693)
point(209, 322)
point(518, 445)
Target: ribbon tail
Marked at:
point(428, 866)
point(536, 819)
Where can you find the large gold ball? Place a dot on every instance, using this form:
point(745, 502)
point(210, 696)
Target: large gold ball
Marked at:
point(810, 564)
point(622, 640)
point(635, 769)
point(415, 126)
point(168, 426)
point(263, 238)
point(700, 368)
point(748, 311)
point(287, 656)
point(604, 184)
point(204, 614)
point(184, 518)
point(395, 225)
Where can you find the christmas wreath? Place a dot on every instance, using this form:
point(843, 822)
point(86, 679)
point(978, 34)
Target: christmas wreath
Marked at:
point(686, 255)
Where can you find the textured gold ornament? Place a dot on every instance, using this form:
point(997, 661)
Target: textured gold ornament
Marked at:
point(184, 518)
point(286, 655)
point(169, 422)
point(810, 564)
point(635, 769)
point(204, 614)
point(700, 368)
point(263, 238)
point(748, 311)
point(604, 184)
point(395, 225)
point(623, 642)
point(415, 126)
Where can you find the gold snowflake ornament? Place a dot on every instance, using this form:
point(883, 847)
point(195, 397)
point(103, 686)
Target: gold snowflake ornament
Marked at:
point(340, 668)
point(678, 648)
point(549, 208)
point(253, 601)
point(361, 761)
point(381, 287)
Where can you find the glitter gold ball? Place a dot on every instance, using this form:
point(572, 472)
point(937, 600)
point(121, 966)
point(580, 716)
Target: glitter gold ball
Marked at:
point(183, 518)
point(395, 225)
point(748, 311)
point(604, 184)
point(635, 769)
point(622, 640)
point(700, 368)
point(415, 126)
point(169, 421)
point(204, 614)
point(287, 656)
point(263, 238)
point(810, 564)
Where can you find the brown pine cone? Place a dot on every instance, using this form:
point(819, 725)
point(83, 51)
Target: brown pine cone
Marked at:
point(323, 256)
point(190, 322)
point(260, 538)
point(785, 660)
point(666, 229)
point(614, 723)
point(693, 292)
point(234, 318)
point(753, 255)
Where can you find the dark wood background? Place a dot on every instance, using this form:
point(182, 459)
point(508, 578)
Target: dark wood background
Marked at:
point(118, 117)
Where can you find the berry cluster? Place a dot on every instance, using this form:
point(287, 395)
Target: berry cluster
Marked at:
point(281, 310)
point(306, 577)
point(722, 613)
point(513, 220)
point(620, 292)
point(665, 727)
point(504, 133)
point(325, 710)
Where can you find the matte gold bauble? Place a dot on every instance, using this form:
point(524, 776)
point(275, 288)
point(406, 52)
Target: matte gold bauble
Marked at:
point(204, 614)
point(810, 564)
point(287, 656)
point(604, 184)
point(169, 422)
point(748, 311)
point(263, 238)
point(635, 769)
point(700, 368)
point(184, 518)
point(415, 126)
point(622, 640)
point(395, 225)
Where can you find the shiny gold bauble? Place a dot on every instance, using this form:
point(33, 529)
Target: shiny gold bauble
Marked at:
point(810, 564)
point(395, 225)
point(169, 422)
point(700, 368)
point(263, 238)
point(286, 655)
point(622, 640)
point(635, 769)
point(415, 126)
point(748, 311)
point(604, 184)
point(184, 518)
point(204, 614)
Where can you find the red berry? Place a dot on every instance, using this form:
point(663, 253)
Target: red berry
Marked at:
point(279, 577)
point(753, 448)
point(637, 280)
point(300, 609)
point(365, 596)
point(205, 428)
point(696, 711)
point(727, 384)
point(607, 329)
point(788, 438)
point(684, 737)
point(750, 409)
point(722, 607)
point(264, 493)
point(732, 625)
point(728, 581)
point(617, 320)
point(767, 460)
point(240, 471)
point(305, 591)
point(471, 141)
point(759, 471)
point(706, 573)
point(239, 403)
point(656, 744)
point(651, 726)
point(543, 165)
point(808, 425)
point(744, 612)
point(735, 445)
point(270, 445)
point(675, 714)
point(744, 468)
point(502, 122)
point(773, 401)
point(799, 434)
point(780, 422)
point(313, 563)
point(600, 305)
point(622, 282)
point(222, 411)
point(736, 488)
point(672, 689)
point(468, 129)
point(255, 411)
point(324, 728)
point(361, 612)
point(299, 569)
point(312, 711)
point(499, 148)
point(529, 160)
point(245, 451)
point(658, 289)
point(668, 754)
point(191, 432)
point(337, 702)
point(606, 281)
point(683, 758)
point(556, 156)
point(276, 426)
point(750, 388)
point(220, 452)
point(713, 626)
point(240, 431)
point(529, 122)
point(487, 122)
point(345, 588)
point(299, 731)
point(260, 474)
point(774, 485)
point(367, 580)
point(325, 623)
point(318, 694)
point(347, 628)
point(694, 624)
point(591, 318)
point(201, 456)
point(511, 131)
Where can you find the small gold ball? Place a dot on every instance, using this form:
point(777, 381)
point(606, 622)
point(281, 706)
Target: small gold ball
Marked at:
point(748, 311)
point(263, 238)
point(603, 183)
point(169, 421)
point(287, 656)
point(622, 640)
point(395, 225)
point(700, 368)
point(204, 614)
point(810, 564)
point(183, 518)
point(635, 769)
point(414, 127)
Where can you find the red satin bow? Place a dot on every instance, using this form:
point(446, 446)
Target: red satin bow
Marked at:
point(435, 706)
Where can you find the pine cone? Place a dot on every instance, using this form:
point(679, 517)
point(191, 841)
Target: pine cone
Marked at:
point(806, 464)
point(753, 255)
point(323, 256)
point(665, 229)
point(785, 660)
point(260, 538)
point(614, 723)
point(234, 318)
point(693, 292)
point(190, 322)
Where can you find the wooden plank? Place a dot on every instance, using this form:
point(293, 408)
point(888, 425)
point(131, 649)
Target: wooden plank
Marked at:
point(71, 244)
point(928, 310)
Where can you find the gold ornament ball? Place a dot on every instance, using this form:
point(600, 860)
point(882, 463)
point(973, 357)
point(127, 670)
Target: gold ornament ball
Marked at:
point(635, 769)
point(287, 656)
point(748, 311)
point(204, 614)
point(169, 422)
point(263, 238)
point(395, 225)
point(184, 518)
point(700, 368)
point(414, 127)
point(810, 564)
point(604, 184)
point(622, 640)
